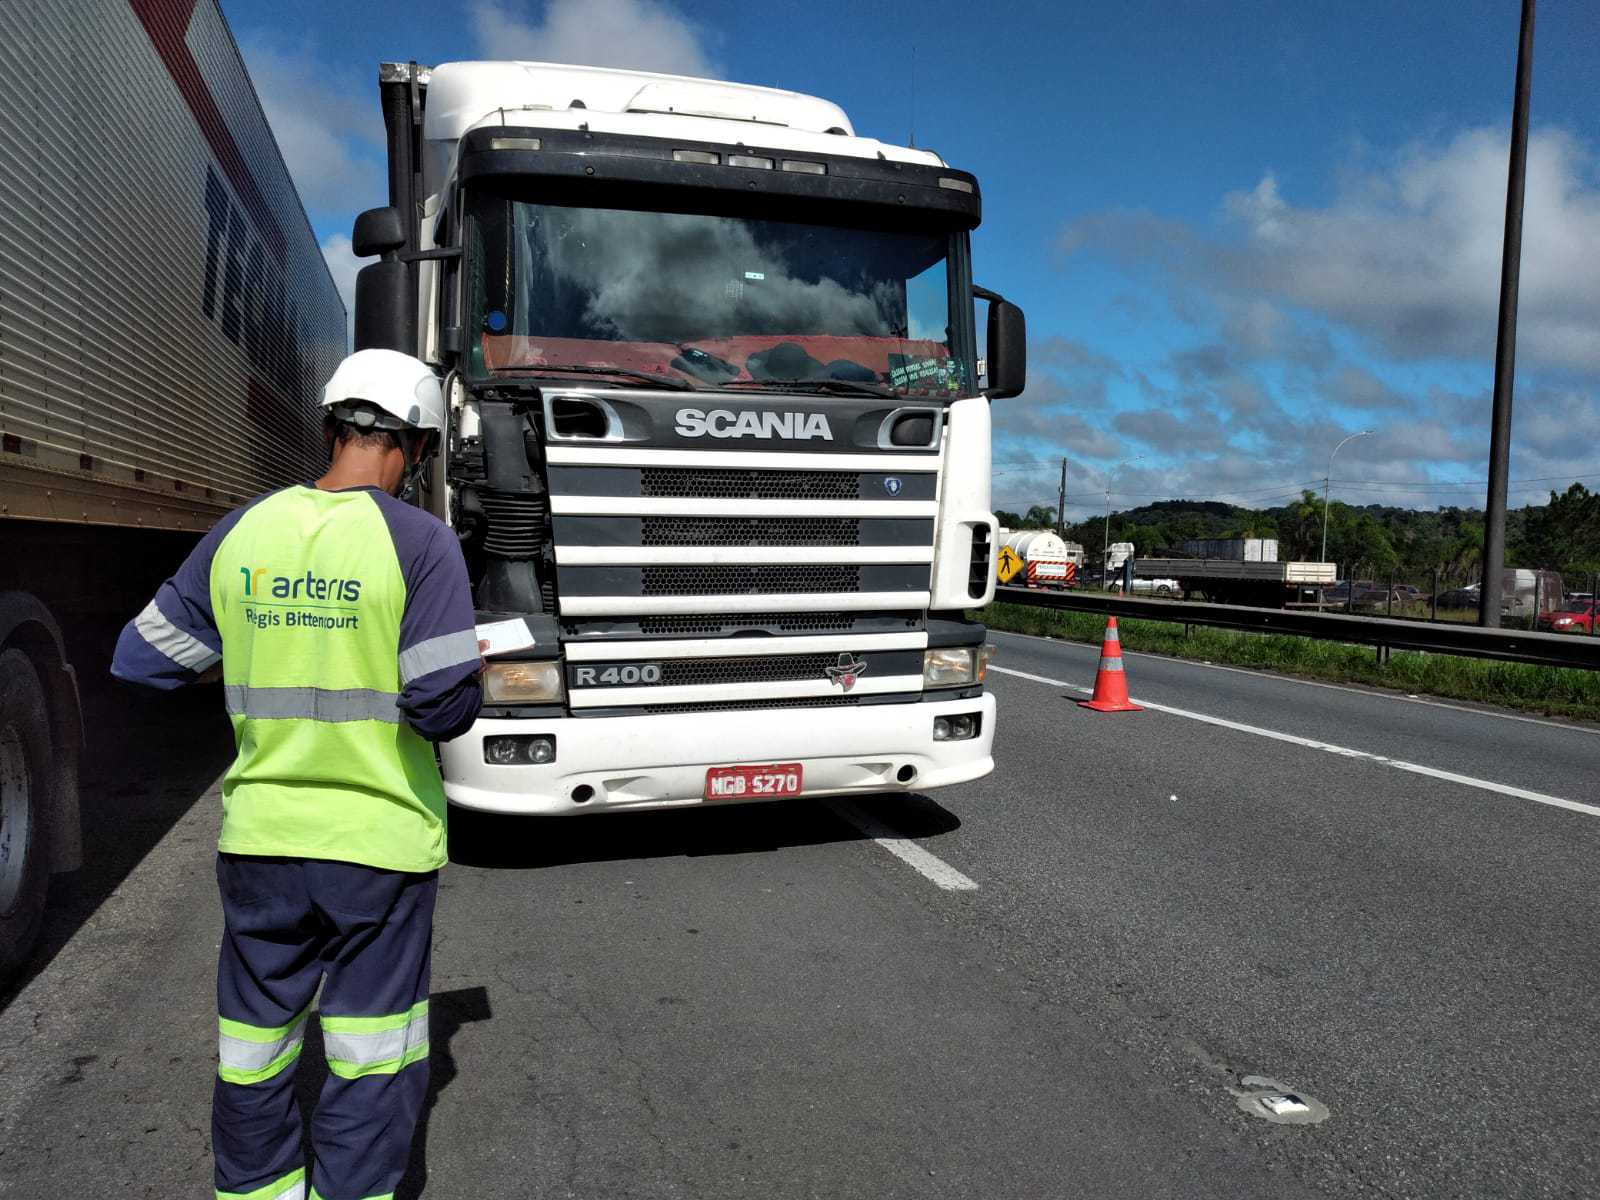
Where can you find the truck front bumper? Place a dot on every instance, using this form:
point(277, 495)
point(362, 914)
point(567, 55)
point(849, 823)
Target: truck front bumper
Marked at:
point(639, 762)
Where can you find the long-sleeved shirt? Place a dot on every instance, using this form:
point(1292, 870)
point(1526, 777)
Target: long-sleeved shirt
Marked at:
point(344, 625)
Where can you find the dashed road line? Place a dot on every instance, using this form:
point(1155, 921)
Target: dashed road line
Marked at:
point(929, 866)
point(1487, 785)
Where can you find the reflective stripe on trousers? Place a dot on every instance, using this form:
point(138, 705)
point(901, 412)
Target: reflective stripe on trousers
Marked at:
point(250, 1053)
point(311, 704)
point(360, 1046)
point(290, 1187)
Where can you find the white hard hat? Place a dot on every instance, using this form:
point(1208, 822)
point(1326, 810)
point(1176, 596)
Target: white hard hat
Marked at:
point(402, 387)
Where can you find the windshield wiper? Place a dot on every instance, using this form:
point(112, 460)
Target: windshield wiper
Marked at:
point(852, 387)
point(671, 382)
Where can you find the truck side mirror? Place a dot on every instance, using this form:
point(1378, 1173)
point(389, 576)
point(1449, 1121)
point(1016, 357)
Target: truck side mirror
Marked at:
point(378, 231)
point(386, 308)
point(1007, 351)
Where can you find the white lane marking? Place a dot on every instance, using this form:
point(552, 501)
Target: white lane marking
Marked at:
point(1332, 687)
point(1487, 785)
point(929, 866)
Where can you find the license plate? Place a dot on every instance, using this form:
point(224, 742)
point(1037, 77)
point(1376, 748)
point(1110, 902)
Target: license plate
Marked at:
point(752, 783)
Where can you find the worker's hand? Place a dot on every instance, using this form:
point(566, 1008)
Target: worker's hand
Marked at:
point(212, 674)
point(483, 648)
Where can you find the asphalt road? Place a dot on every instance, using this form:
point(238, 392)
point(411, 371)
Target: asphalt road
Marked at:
point(763, 1001)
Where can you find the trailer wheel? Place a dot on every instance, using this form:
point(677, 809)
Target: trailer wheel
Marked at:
point(24, 807)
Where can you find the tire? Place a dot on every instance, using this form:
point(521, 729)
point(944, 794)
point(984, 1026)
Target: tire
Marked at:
point(25, 788)
point(1163, 590)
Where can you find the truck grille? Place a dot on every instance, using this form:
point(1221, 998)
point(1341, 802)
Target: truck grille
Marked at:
point(746, 581)
point(720, 484)
point(671, 546)
point(751, 531)
point(752, 705)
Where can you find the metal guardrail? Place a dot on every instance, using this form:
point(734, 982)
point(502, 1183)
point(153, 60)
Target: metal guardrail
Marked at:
point(1383, 633)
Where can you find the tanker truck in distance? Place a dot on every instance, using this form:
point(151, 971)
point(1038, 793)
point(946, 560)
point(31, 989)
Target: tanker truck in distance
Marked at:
point(718, 452)
point(1048, 562)
point(166, 322)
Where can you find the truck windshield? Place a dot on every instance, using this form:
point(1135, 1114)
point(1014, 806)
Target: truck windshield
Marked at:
point(714, 301)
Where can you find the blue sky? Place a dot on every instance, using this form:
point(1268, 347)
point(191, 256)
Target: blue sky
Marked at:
point(1240, 231)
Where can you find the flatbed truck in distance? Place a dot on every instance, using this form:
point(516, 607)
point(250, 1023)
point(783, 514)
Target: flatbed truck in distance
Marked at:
point(1231, 581)
point(166, 321)
point(718, 455)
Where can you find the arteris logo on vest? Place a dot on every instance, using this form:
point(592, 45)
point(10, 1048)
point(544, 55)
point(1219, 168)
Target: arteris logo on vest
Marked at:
point(261, 583)
point(723, 423)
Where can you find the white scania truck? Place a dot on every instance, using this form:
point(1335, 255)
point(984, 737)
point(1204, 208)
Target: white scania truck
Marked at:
point(166, 323)
point(718, 451)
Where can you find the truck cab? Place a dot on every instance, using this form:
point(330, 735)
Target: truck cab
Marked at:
point(718, 454)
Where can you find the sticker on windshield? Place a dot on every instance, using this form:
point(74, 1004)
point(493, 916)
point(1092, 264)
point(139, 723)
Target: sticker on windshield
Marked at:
point(923, 374)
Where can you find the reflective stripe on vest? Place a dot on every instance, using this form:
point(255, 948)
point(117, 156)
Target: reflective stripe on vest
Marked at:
point(251, 1053)
point(291, 1187)
point(312, 704)
point(358, 1046)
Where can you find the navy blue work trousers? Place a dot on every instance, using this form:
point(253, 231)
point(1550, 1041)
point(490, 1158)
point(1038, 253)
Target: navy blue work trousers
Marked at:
point(364, 935)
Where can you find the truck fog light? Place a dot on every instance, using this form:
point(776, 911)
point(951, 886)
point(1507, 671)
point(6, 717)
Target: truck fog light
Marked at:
point(949, 666)
point(960, 728)
point(519, 749)
point(522, 682)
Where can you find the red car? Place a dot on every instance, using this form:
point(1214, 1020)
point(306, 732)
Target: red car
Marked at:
point(1574, 616)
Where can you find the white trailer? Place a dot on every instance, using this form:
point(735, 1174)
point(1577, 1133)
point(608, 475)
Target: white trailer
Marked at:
point(166, 318)
point(1048, 561)
point(719, 450)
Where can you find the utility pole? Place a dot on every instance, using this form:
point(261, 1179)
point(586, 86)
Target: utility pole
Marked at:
point(1061, 502)
point(1505, 349)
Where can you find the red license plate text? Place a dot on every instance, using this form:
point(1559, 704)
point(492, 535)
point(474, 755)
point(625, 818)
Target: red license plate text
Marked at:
point(753, 783)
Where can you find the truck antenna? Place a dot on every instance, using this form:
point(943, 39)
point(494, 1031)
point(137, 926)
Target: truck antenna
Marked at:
point(911, 138)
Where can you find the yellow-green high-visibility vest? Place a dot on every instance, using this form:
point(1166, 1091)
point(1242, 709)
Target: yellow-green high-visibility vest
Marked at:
point(308, 595)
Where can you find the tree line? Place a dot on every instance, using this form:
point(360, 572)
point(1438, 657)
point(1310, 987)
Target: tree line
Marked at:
point(1563, 535)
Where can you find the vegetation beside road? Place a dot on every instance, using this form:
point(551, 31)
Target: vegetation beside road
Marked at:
point(1552, 691)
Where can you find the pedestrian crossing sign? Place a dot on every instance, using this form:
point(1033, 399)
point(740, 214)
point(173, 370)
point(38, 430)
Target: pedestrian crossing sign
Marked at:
point(1008, 566)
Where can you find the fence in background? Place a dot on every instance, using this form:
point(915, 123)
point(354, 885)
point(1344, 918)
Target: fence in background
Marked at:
point(1382, 633)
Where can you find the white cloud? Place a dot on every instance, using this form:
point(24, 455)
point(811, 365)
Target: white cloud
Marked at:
point(644, 35)
point(327, 125)
point(343, 264)
point(1408, 255)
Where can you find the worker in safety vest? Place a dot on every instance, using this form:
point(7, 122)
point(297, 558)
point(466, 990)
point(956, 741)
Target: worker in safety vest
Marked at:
point(343, 622)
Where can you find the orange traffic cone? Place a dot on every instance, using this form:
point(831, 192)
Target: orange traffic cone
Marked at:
point(1110, 683)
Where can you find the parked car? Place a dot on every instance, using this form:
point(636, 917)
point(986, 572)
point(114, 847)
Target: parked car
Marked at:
point(1157, 587)
point(1574, 616)
point(1462, 597)
point(1366, 591)
point(1404, 593)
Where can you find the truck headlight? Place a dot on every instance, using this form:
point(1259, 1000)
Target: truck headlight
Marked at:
point(522, 682)
point(949, 666)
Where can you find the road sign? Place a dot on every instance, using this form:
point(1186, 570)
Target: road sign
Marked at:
point(1008, 565)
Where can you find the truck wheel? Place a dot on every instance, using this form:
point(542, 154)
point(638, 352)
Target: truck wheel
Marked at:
point(24, 808)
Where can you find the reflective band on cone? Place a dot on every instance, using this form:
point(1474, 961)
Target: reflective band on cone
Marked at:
point(1110, 682)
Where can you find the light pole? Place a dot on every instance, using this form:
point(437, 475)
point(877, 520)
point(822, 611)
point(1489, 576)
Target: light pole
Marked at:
point(1326, 479)
point(1105, 549)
